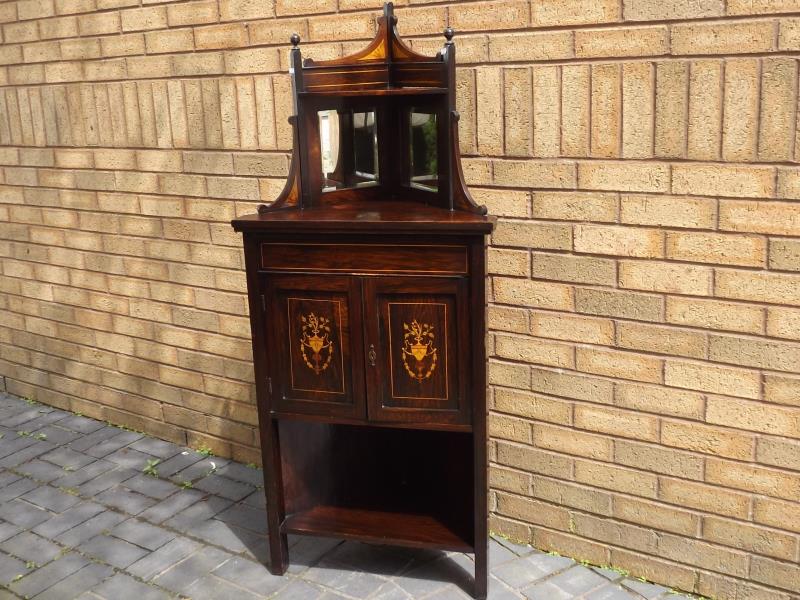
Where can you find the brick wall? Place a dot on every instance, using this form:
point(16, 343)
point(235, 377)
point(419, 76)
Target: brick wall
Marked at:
point(645, 284)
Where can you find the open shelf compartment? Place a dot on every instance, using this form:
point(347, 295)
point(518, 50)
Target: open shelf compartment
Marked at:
point(402, 487)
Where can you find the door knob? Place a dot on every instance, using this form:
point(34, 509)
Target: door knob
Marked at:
point(372, 355)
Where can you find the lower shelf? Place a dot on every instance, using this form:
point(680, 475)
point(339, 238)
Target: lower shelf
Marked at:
point(399, 529)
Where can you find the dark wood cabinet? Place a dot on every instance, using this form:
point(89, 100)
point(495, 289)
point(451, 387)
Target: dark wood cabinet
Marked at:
point(366, 285)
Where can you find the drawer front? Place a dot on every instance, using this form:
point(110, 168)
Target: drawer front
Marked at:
point(365, 258)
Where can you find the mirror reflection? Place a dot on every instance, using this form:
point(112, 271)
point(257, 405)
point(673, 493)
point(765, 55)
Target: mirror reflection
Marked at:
point(348, 149)
point(423, 148)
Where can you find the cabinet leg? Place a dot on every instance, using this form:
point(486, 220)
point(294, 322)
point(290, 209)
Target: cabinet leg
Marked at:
point(481, 587)
point(278, 554)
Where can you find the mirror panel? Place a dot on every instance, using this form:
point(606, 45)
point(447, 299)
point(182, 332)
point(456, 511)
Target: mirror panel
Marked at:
point(424, 170)
point(348, 149)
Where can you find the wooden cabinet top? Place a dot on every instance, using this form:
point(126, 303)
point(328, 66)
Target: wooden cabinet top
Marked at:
point(375, 143)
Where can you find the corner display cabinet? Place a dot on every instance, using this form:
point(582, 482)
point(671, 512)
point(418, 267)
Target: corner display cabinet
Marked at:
point(366, 281)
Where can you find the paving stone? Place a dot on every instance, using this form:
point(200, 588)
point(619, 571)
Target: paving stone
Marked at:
point(80, 533)
point(22, 417)
point(106, 481)
point(28, 453)
point(68, 519)
point(214, 588)
point(74, 478)
point(125, 500)
point(31, 547)
point(450, 571)
point(231, 538)
point(245, 517)
point(257, 499)
point(172, 505)
point(51, 498)
point(308, 551)
point(575, 581)
point(49, 575)
point(124, 586)
point(12, 443)
point(178, 462)
point(183, 574)
point(95, 439)
point(499, 554)
point(81, 424)
point(239, 472)
point(455, 593)
point(612, 592)
point(8, 530)
point(518, 549)
point(151, 486)
point(112, 444)
point(354, 583)
point(7, 478)
point(66, 457)
point(524, 571)
point(227, 488)
point(204, 467)
point(41, 470)
point(648, 590)
point(142, 534)
point(129, 458)
point(607, 573)
point(250, 575)
point(77, 583)
point(156, 447)
point(113, 550)
point(300, 590)
point(16, 489)
point(10, 567)
point(23, 514)
point(198, 513)
point(159, 561)
point(56, 435)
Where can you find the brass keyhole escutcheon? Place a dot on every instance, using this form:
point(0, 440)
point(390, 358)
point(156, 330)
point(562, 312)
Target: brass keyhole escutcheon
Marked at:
point(372, 355)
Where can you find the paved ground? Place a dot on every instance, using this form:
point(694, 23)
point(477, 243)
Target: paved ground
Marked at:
point(79, 518)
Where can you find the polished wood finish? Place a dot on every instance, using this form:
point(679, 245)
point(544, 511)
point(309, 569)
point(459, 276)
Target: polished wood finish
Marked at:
point(367, 301)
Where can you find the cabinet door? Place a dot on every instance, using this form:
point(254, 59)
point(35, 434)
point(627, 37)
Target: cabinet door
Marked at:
point(315, 336)
point(417, 339)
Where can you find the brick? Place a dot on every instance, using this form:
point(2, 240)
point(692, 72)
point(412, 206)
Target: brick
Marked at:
point(668, 211)
point(627, 177)
point(349, 27)
point(542, 352)
point(532, 293)
point(712, 378)
point(231, 10)
point(508, 262)
point(671, 112)
point(717, 248)
point(780, 574)
point(656, 516)
point(570, 441)
point(138, 19)
point(760, 287)
point(175, 40)
point(783, 322)
point(722, 180)
point(532, 511)
point(618, 241)
point(518, 103)
point(624, 365)
point(539, 174)
point(661, 340)
point(658, 459)
point(583, 498)
point(575, 106)
point(753, 416)
point(577, 269)
point(571, 385)
point(778, 108)
point(704, 497)
point(529, 46)
point(665, 401)
point(533, 460)
point(783, 515)
point(705, 110)
point(574, 12)
point(615, 422)
point(505, 14)
point(231, 35)
point(617, 478)
point(740, 109)
point(779, 452)
point(572, 328)
point(627, 41)
point(637, 110)
point(575, 206)
point(606, 106)
point(789, 34)
point(748, 537)
point(612, 303)
point(722, 37)
point(509, 374)
point(653, 10)
point(507, 319)
point(546, 112)
point(707, 440)
point(192, 13)
point(489, 110)
point(527, 234)
point(713, 314)
point(532, 406)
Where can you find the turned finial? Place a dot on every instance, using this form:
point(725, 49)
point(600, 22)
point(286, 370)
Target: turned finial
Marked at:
point(295, 39)
point(448, 34)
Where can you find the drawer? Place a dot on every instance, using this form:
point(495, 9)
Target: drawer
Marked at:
point(365, 258)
